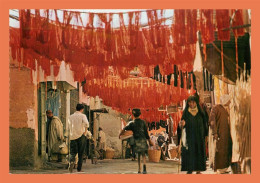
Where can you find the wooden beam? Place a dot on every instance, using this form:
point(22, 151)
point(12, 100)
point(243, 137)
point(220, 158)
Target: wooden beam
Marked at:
point(237, 27)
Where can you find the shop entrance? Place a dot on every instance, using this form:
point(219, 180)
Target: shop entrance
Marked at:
point(55, 97)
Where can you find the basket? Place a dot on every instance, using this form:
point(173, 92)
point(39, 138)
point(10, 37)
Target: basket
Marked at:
point(173, 152)
point(110, 154)
point(154, 155)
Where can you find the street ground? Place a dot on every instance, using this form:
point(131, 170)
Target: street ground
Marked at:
point(114, 166)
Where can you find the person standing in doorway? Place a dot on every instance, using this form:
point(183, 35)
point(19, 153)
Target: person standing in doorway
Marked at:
point(78, 125)
point(101, 143)
point(194, 124)
point(54, 135)
point(141, 136)
point(219, 123)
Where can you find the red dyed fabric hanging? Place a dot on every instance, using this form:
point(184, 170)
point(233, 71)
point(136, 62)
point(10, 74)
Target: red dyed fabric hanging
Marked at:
point(25, 23)
point(176, 119)
point(107, 19)
point(134, 92)
point(56, 67)
point(238, 21)
point(185, 33)
point(105, 57)
point(45, 65)
point(157, 31)
point(14, 43)
point(207, 26)
point(89, 32)
point(191, 26)
point(179, 28)
point(142, 93)
point(223, 22)
point(83, 46)
point(184, 38)
point(133, 28)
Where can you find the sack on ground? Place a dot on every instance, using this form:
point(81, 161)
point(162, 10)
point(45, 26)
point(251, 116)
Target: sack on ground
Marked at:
point(60, 148)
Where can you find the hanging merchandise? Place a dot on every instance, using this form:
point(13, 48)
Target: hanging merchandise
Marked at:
point(241, 99)
point(135, 92)
point(185, 33)
point(149, 126)
point(207, 26)
point(176, 118)
point(223, 22)
point(163, 124)
point(157, 125)
point(191, 26)
point(144, 93)
point(204, 79)
point(153, 125)
point(206, 29)
point(238, 21)
point(179, 27)
point(211, 82)
point(216, 90)
point(51, 37)
point(47, 37)
point(230, 57)
point(207, 80)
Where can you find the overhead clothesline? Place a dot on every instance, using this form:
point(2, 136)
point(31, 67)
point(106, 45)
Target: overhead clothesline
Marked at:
point(123, 12)
point(143, 24)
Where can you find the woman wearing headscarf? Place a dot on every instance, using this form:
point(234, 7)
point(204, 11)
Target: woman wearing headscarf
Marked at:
point(141, 136)
point(194, 124)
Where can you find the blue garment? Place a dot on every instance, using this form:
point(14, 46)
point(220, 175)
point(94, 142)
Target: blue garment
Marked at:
point(53, 102)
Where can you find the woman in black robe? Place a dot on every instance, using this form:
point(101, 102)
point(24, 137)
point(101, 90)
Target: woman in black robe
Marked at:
point(194, 124)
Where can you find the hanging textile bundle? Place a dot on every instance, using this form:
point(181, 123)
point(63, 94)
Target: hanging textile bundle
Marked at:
point(223, 22)
point(207, 26)
point(179, 27)
point(191, 26)
point(14, 44)
point(56, 38)
point(238, 21)
point(134, 92)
